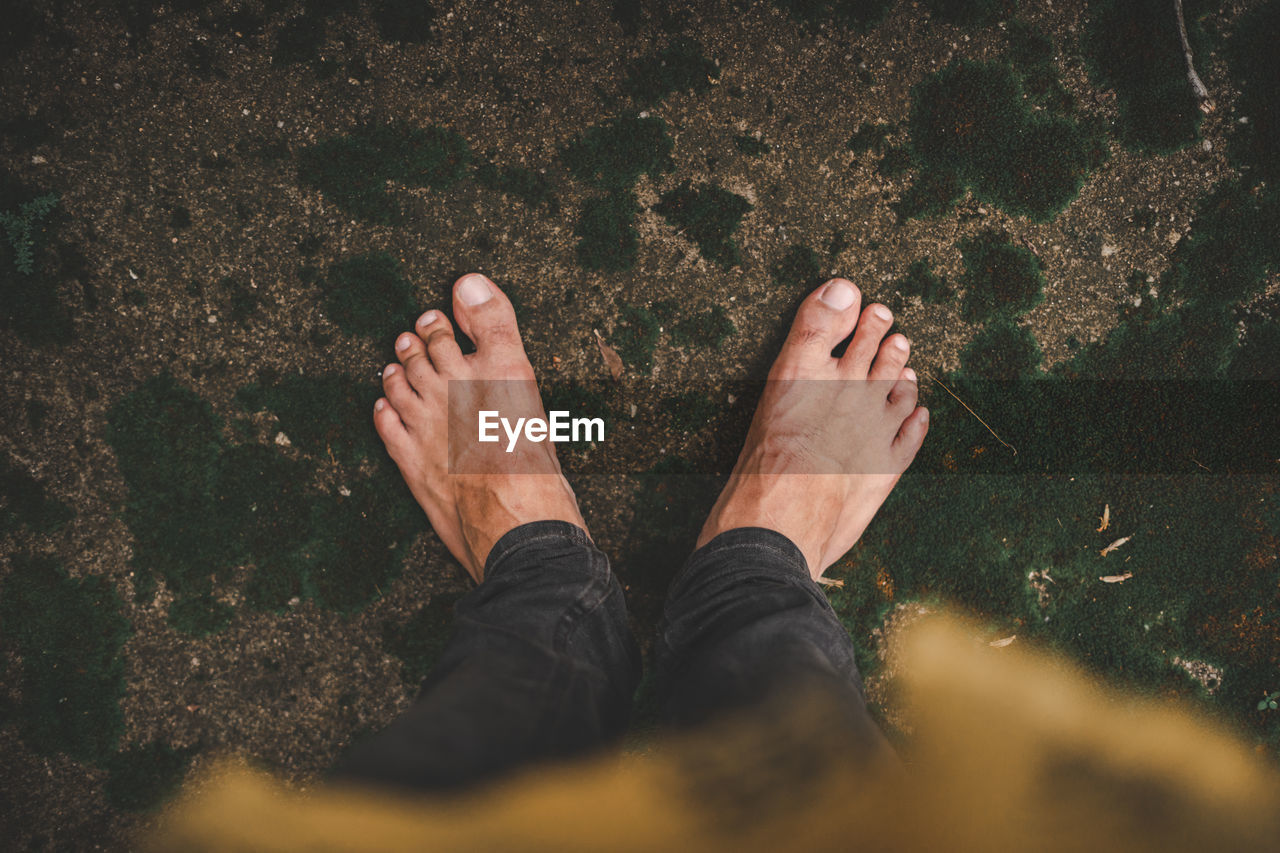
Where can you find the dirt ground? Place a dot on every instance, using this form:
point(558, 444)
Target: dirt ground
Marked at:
point(174, 156)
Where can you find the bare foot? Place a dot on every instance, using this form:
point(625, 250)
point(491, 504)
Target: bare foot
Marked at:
point(821, 456)
point(428, 421)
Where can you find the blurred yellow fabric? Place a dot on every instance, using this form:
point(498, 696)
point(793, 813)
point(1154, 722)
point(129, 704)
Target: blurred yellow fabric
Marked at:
point(1010, 749)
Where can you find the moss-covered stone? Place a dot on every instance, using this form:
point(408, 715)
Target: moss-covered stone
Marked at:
point(999, 278)
point(68, 634)
point(679, 67)
point(368, 295)
point(971, 125)
point(353, 170)
point(707, 215)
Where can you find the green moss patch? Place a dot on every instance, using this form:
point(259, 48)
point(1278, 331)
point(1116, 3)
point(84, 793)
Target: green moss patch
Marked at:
point(679, 67)
point(1002, 350)
point(68, 633)
point(635, 337)
point(607, 239)
point(853, 14)
point(613, 154)
point(751, 145)
point(419, 642)
point(800, 267)
point(709, 328)
point(870, 136)
point(999, 278)
point(199, 506)
point(404, 20)
point(532, 188)
point(1133, 47)
point(708, 216)
point(920, 280)
point(970, 127)
point(352, 170)
point(368, 295)
point(31, 266)
point(1255, 65)
point(24, 503)
point(968, 12)
point(144, 776)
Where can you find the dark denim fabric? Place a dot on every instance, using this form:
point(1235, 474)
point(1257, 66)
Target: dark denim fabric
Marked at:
point(542, 664)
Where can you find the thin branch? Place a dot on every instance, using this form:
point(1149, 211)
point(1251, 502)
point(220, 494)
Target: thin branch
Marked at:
point(975, 414)
point(1197, 85)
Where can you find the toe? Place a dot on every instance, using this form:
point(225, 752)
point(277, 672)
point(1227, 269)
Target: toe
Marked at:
point(911, 435)
point(437, 333)
point(398, 390)
point(891, 358)
point(485, 314)
point(905, 392)
point(825, 318)
point(413, 355)
point(872, 325)
point(386, 420)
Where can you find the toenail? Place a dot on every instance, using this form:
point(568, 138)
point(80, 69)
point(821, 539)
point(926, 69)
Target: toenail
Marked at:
point(899, 343)
point(389, 370)
point(909, 374)
point(428, 318)
point(882, 312)
point(838, 295)
point(403, 344)
point(924, 416)
point(380, 405)
point(474, 289)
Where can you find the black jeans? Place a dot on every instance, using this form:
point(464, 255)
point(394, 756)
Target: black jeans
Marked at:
point(542, 664)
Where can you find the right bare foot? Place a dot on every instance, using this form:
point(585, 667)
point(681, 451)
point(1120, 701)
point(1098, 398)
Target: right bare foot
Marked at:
point(435, 390)
point(821, 456)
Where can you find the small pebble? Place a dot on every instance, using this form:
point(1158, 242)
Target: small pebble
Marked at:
point(283, 440)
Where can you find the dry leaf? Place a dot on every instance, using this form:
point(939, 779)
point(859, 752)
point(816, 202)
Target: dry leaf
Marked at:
point(1000, 644)
point(1106, 518)
point(833, 582)
point(1116, 578)
point(1114, 545)
point(611, 358)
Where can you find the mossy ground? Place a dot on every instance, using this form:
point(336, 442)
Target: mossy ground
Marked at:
point(205, 543)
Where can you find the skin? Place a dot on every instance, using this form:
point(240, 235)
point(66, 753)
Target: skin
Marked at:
point(819, 459)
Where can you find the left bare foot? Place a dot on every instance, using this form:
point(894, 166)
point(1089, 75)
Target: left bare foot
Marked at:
point(470, 511)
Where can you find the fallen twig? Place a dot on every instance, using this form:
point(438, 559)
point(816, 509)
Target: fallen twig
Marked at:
point(1197, 85)
point(975, 414)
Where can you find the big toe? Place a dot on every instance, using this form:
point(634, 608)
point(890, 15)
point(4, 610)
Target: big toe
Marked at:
point(485, 314)
point(825, 318)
